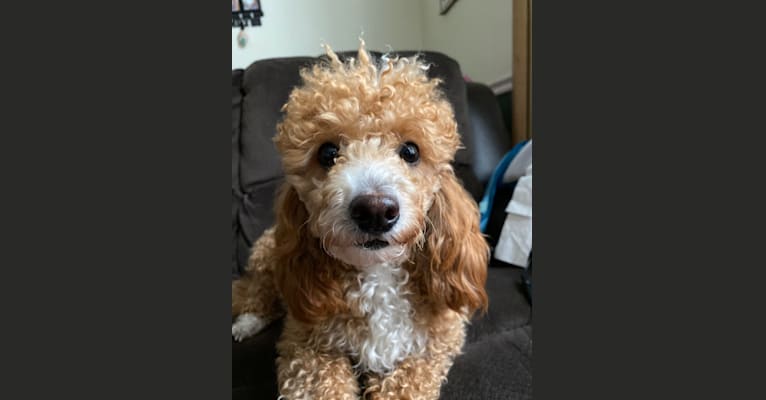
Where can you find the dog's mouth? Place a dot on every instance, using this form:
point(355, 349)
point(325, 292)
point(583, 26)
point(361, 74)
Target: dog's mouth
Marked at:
point(374, 244)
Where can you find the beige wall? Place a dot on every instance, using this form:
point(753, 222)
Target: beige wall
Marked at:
point(298, 27)
point(477, 33)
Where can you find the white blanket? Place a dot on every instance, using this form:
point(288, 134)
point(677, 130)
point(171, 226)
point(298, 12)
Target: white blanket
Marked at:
point(515, 241)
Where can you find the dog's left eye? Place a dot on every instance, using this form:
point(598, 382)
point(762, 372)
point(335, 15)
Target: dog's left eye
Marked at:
point(410, 152)
point(327, 154)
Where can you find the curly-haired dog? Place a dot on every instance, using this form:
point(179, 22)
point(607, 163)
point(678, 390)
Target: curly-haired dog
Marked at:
point(376, 255)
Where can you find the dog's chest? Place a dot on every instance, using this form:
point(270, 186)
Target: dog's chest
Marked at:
point(382, 331)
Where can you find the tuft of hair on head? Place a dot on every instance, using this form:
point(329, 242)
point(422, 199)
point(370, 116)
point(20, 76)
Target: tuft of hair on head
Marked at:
point(369, 69)
point(334, 60)
point(364, 56)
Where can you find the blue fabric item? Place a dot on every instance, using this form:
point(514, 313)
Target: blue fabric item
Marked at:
point(485, 205)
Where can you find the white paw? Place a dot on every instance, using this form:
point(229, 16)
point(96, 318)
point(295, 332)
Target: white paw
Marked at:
point(247, 325)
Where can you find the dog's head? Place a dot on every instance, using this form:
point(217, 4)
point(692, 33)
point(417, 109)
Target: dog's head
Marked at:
point(366, 149)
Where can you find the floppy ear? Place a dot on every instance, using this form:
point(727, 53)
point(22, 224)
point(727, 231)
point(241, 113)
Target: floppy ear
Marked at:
point(455, 257)
point(303, 272)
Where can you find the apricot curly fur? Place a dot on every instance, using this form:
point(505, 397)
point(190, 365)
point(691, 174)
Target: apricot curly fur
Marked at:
point(338, 302)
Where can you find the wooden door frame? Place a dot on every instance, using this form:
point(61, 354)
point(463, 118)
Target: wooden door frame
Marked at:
point(521, 96)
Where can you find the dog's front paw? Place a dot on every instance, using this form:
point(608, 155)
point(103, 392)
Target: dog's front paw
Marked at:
point(247, 325)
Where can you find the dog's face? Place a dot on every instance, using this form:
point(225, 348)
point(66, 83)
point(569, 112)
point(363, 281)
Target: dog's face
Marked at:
point(366, 151)
point(365, 148)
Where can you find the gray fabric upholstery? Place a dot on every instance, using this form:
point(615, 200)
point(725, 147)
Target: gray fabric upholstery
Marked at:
point(485, 148)
point(496, 361)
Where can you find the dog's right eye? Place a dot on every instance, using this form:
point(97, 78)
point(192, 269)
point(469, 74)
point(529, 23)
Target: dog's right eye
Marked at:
point(328, 152)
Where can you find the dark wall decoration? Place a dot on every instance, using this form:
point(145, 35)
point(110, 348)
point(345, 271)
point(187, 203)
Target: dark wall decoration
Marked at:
point(445, 5)
point(246, 13)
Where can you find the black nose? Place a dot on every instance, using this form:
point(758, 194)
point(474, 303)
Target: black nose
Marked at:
point(374, 213)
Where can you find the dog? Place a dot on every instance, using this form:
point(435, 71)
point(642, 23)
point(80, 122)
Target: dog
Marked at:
point(376, 258)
